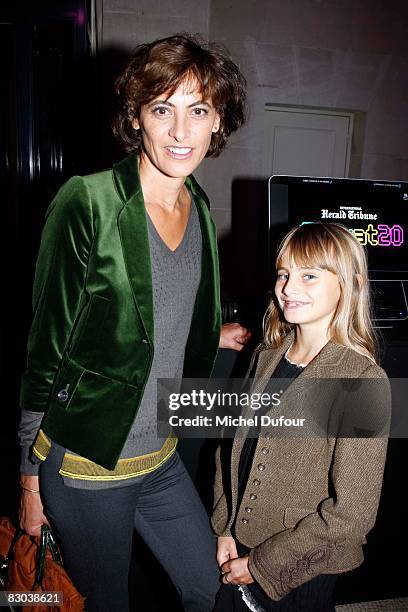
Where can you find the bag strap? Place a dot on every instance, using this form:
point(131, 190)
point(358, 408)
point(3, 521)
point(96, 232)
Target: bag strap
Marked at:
point(39, 566)
point(53, 546)
point(47, 541)
point(17, 534)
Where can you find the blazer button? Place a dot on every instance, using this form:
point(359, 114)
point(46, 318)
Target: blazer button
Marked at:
point(62, 395)
point(261, 467)
point(256, 482)
point(249, 510)
point(268, 436)
point(245, 521)
point(253, 496)
point(144, 341)
point(265, 451)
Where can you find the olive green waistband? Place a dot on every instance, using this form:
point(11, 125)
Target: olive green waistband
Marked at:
point(80, 468)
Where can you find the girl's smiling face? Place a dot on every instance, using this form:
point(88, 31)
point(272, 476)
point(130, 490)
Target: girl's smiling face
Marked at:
point(307, 296)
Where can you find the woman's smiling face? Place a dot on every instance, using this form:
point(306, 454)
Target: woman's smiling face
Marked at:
point(307, 295)
point(176, 130)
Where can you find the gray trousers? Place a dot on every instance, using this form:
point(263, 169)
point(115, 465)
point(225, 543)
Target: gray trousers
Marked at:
point(95, 529)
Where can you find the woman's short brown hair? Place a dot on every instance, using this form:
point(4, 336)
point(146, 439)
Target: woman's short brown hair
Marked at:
point(159, 67)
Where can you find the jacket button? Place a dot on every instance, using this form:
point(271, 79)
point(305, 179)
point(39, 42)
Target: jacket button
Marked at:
point(261, 467)
point(256, 482)
point(249, 510)
point(62, 395)
point(268, 436)
point(245, 521)
point(265, 451)
point(144, 341)
point(253, 496)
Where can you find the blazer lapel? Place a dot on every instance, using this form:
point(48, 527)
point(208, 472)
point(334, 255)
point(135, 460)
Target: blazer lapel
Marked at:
point(324, 365)
point(210, 276)
point(134, 238)
point(268, 360)
point(205, 329)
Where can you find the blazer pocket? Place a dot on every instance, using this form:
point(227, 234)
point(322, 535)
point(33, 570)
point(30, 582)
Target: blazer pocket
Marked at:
point(80, 390)
point(293, 516)
point(66, 383)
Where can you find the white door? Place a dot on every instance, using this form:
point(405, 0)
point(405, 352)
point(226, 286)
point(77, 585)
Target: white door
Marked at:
point(307, 142)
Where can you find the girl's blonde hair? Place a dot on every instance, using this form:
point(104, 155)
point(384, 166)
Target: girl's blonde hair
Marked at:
point(333, 247)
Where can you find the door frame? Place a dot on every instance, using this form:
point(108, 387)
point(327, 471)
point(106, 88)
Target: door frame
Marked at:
point(312, 110)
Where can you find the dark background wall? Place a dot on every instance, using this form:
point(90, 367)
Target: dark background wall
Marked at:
point(45, 136)
point(348, 54)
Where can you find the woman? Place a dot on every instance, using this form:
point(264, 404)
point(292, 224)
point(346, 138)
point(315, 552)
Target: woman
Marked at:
point(297, 510)
point(127, 291)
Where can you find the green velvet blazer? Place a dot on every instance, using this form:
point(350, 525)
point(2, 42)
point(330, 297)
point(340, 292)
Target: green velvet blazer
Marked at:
point(91, 342)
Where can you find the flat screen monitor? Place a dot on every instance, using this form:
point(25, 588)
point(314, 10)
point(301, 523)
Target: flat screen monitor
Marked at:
point(375, 211)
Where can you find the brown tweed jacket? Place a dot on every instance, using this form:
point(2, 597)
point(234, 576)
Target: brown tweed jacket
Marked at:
point(309, 501)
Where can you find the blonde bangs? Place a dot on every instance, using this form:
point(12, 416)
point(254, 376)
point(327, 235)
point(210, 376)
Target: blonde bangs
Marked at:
point(307, 250)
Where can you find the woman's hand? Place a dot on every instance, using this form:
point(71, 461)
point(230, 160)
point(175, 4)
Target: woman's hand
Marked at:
point(226, 550)
point(31, 508)
point(234, 336)
point(236, 571)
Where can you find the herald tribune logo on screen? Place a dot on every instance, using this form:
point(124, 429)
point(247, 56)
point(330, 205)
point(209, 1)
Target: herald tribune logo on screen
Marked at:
point(348, 212)
point(374, 234)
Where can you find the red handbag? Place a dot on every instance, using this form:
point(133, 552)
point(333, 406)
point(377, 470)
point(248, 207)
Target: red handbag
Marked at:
point(33, 567)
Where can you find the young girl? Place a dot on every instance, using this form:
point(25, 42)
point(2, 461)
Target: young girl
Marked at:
point(294, 512)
